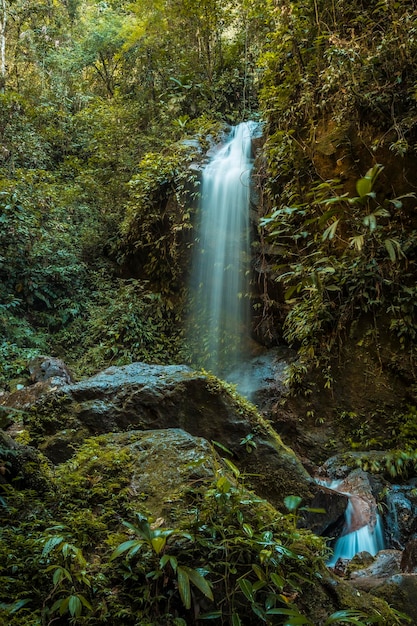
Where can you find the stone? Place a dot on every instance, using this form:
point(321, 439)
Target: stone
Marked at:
point(399, 591)
point(22, 466)
point(409, 557)
point(140, 396)
point(401, 514)
point(43, 368)
point(385, 564)
point(165, 465)
point(330, 522)
point(261, 378)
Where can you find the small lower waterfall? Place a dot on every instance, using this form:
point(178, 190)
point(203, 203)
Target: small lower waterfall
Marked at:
point(363, 530)
point(357, 538)
point(219, 285)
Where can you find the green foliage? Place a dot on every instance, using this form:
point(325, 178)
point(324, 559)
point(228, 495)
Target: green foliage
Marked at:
point(124, 322)
point(232, 557)
point(342, 257)
point(158, 215)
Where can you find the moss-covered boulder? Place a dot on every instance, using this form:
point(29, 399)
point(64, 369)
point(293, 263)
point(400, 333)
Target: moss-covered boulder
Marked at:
point(154, 527)
point(22, 467)
point(149, 397)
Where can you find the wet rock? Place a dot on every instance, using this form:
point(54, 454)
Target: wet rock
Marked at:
point(164, 465)
point(261, 378)
point(330, 522)
point(385, 564)
point(401, 515)
point(360, 561)
point(43, 368)
point(22, 466)
point(340, 465)
point(399, 591)
point(409, 557)
point(148, 397)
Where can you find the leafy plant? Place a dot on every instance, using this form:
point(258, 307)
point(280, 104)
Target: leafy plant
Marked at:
point(156, 540)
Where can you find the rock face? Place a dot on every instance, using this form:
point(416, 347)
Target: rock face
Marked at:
point(44, 368)
point(401, 515)
point(149, 397)
point(386, 563)
point(164, 465)
point(331, 521)
point(261, 378)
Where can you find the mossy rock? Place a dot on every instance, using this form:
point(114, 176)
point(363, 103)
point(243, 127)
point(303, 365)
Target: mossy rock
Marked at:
point(148, 397)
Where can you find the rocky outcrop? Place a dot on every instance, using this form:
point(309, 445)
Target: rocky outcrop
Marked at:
point(43, 368)
point(401, 514)
point(149, 397)
point(22, 466)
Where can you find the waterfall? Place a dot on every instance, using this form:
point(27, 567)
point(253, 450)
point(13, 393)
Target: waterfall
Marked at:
point(363, 530)
point(366, 538)
point(219, 285)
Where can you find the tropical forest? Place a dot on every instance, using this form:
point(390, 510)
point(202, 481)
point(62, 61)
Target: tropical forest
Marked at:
point(208, 312)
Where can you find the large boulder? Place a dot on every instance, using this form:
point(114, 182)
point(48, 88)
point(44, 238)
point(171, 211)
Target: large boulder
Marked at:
point(148, 397)
point(168, 479)
point(401, 513)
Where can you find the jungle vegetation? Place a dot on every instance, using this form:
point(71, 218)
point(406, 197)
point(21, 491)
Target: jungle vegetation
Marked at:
point(103, 107)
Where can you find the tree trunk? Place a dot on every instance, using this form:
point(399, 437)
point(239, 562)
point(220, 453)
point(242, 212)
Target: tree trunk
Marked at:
point(3, 21)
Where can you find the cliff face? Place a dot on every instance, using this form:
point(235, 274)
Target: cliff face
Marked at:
point(338, 219)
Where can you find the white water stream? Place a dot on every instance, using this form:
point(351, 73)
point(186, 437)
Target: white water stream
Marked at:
point(219, 320)
point(363, 530)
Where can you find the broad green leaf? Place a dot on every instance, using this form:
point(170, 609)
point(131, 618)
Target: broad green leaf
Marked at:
point(364, 186)
point(16, 606)
point(259, 584)
point(334, 199)
point(75, 607)
point(349, 616)
point(258, 571)
point(246, 587)
point(248, 530)
point(63, 607)
point(51, 544)
point(393, 248)
point(278, 581)
point(199, 581)
point(357, 242)
point(85, 602)
point(236, 620)
point(390, 249)
point(294, 616)
point(59, 575)
point(370, 221)
point(184, 587)
point(167, 558)
point(223, 485)
point(158, 543)
point(212, 615)
point(56, 605)
point(289, 292)
point(292, 503)
point(222, 447)
point(233, 467)
point(125, 546)
point(259, 611)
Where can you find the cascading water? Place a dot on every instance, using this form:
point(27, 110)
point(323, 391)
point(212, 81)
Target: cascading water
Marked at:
point(362, 531)
point(366, 538)
point(219, 317)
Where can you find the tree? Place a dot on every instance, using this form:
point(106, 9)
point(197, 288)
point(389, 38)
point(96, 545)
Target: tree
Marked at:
point(3, 22)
